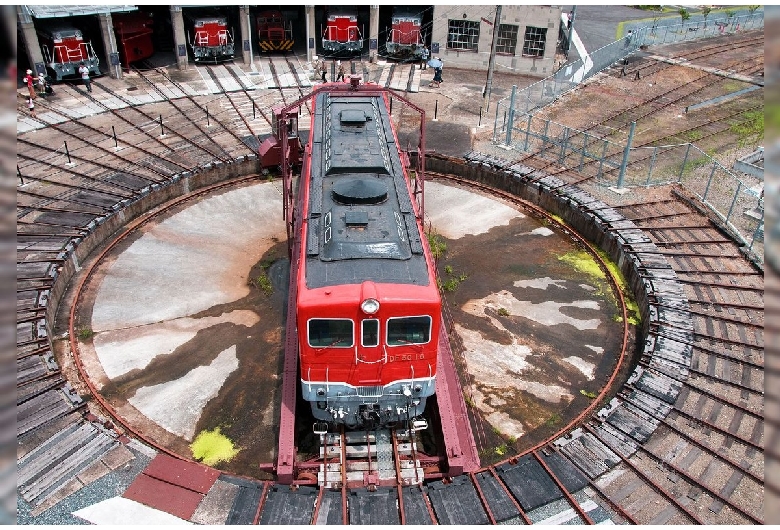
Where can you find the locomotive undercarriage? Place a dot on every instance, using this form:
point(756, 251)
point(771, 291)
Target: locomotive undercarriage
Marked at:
point(213, 54)
point(368, 407)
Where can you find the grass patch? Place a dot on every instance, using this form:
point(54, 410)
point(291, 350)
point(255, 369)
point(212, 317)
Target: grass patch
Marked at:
point(263, 283)
point(590, 395)
point(749, 128)
point(85, 333)
point(437, 244)
point(212, 447)
point(503, 312)
point(553, 420)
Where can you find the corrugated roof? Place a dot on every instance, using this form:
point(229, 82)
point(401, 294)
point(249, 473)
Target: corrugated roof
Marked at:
point(59, 11)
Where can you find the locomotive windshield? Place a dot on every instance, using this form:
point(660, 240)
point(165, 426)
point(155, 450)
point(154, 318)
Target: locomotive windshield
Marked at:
point(408, 330)
point(370, 332)
point(330, 332)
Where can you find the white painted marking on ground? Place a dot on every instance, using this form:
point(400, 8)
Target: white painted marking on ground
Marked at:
point(211, 246)
point(542, 231)
point(123, 350)
point(587, 369)
point(456, 212)
point(547, 313)
point(121, 511)
point(540, 283)
point(177, 405)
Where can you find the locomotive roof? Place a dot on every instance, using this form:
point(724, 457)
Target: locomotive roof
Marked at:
point(359, 207)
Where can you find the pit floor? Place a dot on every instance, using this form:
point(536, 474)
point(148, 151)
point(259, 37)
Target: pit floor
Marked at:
point(185, 342)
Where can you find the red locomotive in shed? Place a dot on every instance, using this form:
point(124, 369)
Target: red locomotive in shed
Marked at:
point(134, 33)
point(64, 49)
point(274, 33)
point(341, 34)
point(405, 39)
point(368, 305)
point(211, 40)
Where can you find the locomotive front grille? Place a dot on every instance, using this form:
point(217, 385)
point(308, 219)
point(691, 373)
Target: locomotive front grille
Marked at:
point(370, 392)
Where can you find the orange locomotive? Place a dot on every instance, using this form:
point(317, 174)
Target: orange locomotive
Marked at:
point(368, 304)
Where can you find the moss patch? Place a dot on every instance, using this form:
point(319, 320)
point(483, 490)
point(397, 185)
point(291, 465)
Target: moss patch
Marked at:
point(212, 447)
point(583, 262)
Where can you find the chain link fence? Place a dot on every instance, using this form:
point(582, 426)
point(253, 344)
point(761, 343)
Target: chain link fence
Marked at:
point(737, 199)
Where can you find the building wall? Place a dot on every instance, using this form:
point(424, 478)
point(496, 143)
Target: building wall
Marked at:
point(548, 17)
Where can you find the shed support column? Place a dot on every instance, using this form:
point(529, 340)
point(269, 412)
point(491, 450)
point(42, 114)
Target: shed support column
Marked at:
point(179, 37)
point(31, 44)
point(113, 68)
point(311, 34)
point(373, 33)
point(246, 34)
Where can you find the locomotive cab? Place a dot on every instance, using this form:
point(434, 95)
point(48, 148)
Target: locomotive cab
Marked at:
point(211, 40)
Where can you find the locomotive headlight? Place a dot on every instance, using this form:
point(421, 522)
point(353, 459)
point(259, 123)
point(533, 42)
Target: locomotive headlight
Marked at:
point(369, 306)
point(320, 391)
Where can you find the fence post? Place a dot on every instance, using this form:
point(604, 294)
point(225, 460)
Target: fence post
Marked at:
point(626, 152)
point(208, 120)
point(480, 117)
point(113, 131)
point(19, 173)
point(712, 173)
point(495, 123)
point(652, 165)
point(527, 132)
point(162, 129)
point(564, 143)
point(435, 110)
point(685, 161)
point(733, 201)
point(67, 153)
point(254, 111)
point(511, 115)
point(601, 159)
point(584, 150)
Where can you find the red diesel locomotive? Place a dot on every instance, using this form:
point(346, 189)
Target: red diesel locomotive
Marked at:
point(341, 34)
point(64, 49)
point(404, 38)
point(274, 33)
point(211, 40)
point(134, 33)
point(368, 305)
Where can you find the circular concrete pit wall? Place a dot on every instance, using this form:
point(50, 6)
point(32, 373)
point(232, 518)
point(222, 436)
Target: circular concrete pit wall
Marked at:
point(632, 251)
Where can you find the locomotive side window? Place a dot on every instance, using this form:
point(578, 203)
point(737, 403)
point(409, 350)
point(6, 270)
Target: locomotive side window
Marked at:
point(330, 332)
point(408, 330)
point(370, 332)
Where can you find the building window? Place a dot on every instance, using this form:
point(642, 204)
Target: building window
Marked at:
point(507, 39)
point(533, 45)
point(463, 35)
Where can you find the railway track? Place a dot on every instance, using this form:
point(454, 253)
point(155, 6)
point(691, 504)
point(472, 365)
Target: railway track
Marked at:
point(644, 458)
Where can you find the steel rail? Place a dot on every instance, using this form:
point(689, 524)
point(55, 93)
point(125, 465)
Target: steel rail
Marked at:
point(569, 497)
point(225, 155)
point(216, 79)
point(711, 451)
point(645, 478)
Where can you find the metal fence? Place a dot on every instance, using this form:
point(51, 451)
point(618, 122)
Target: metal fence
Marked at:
point(737, 200)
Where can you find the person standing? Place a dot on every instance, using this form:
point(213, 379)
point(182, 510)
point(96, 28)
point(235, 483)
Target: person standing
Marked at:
point(29, 80)
point(84, 71)
point(342, 71)
point(424, 58)
point(42, 84)
point(324, 70)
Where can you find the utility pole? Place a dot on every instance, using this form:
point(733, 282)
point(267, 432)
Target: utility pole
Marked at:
point(492, 62)
point(571, 31)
